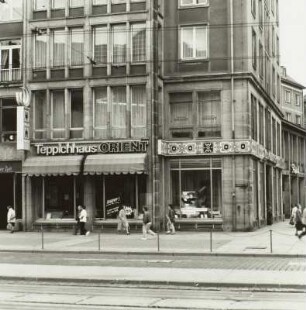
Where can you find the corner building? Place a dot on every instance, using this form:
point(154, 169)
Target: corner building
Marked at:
point(221, 116)
point(91, 69)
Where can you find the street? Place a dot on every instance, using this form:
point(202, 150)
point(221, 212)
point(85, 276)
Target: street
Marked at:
point(28, 295)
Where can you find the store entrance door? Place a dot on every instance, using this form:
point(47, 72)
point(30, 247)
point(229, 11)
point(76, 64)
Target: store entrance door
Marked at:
point(6, 196)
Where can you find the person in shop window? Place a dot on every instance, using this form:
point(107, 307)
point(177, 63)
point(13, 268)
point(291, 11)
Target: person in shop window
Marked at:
point(170, 220)
point(83, 220)
point(123, 222)
point(11, 218)
point(146, 225)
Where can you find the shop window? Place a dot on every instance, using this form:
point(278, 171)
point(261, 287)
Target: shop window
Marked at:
point(196, 191)
point(8, 124)
point(10, 60)
point(194, 43)
point(120, 190)
point(76, 46)
point(119, 112)
point(209, 114)
point(40, 115)
point(11, 11)
point(119, 48)
point(100, 45)
point(100, 113)
point(59, 197)
point(138, 112)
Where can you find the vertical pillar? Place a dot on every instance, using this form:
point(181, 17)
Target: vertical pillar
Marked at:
point(27, 207)
point(89, 198)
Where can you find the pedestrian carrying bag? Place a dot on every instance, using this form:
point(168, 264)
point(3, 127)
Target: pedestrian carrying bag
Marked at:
point(9, 226)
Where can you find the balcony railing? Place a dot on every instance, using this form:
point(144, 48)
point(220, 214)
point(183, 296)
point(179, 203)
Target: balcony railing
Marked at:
point(7, 75)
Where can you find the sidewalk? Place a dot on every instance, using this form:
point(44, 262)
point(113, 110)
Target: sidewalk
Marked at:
point(284, 242)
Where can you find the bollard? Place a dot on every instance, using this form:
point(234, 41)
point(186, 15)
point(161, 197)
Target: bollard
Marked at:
point(211, 245)
point(271, 241)
point(158, 248)
point(42, 237)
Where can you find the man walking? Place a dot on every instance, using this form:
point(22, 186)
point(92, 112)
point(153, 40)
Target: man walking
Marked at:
point(83, 220)
point(11, 218)
point(170, 220)
point(146, 225)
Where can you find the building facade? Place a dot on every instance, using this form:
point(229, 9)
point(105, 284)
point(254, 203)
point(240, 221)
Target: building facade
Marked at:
point(149, 102)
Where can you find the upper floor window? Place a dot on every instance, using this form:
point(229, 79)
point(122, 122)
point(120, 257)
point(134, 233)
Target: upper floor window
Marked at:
point(8, 125)
point(76, 46)
point(58, 4)
point(100, 37)
point(298, 119)
point(119, 48)
point(194, 43)
point(287, 96)
point(10, 60)
point(40, 51)
point(253, 7)
point(254, 49)
point(40, 115)
point(288, 117)
point(58, 48)
point(297, 100)
point(138, 32)
point(41, 5)
point(260, 13)
point(11, 10)
point(99, 2)
point(193, 2)
point(76, 3)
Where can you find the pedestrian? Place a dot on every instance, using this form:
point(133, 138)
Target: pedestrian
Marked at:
point(78, 223)
point(123, 222)
point(11, 218)
point(303, 224)
point(83, 220)
point(146, 225)
point(298, 220)
point(170, 220)
point(293, 214)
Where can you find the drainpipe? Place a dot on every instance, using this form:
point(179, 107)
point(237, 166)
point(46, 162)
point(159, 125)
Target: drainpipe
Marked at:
point(234, 211)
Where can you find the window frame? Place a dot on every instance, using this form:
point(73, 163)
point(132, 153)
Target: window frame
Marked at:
point(194, 40)
point(287, 96)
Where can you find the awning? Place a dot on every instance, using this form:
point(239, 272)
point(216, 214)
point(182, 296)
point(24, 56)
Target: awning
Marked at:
point(55, 165)
point(116, 164)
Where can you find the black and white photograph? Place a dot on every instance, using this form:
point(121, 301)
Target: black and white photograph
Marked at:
point(152, 154)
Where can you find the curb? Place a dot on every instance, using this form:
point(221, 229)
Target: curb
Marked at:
point(161, 253)
point(206, 285)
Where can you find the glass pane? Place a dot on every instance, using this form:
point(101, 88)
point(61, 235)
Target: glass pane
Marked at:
point(58, 4)
point(40, 51)
point(187, 42)
point(4, 59)
point(76, 108)
point(9, 119)
point(119, 44)
point(59, 41)
point(99, 2)
point(201, 42)
point(181, 109)
point(100, 45)
point(119, 112)
point(101, 107)
point(16, 58)
point(138, 43)
point(77, 46)
point(11, 10)
point(139, 112)
point(76, 3)
point(58, 109)
point(40, 110)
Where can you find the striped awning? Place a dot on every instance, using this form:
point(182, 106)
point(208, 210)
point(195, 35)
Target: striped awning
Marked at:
point(116, 164)
point(55, 165)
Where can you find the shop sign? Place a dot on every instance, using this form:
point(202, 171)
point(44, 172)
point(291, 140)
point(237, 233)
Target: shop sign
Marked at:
point(113, 147)
point(112, 207)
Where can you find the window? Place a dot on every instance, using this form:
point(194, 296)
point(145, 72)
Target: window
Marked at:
point(277, 50)
point(59, 42)
point(138, 32)
point(253, 7)
point(118, 1)
point(278, 140)
point(261, 60)
point(274, 137)
point(261, 125)
point(254, 117)
point(193, 2)
point(273, 82)
point(119, 44)
point(119, 112)
point(138, 112)
point(273, 41)
point(58, 114)
point(100, 113)
point(254, 50)
point(76, 3)
point(58, 4)
point(99, 2)
point(10, 60)
point(272, 6)
point(288, 117)
point(40, 115)
point(209, 114)
point(297, 100)
point(260, 14)
point(40, 51)
point(76, 46)
point(77, 112)
point(180, 110)
point(268, 130)
point(298, 119)
point(194, 42)
point(100, 45)
point(287, 96)
point(8, 126)
point(11, 11)
point(41, 5)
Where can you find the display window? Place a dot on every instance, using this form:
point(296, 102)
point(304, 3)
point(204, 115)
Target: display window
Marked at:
point(196, 187)
point(113, 191)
